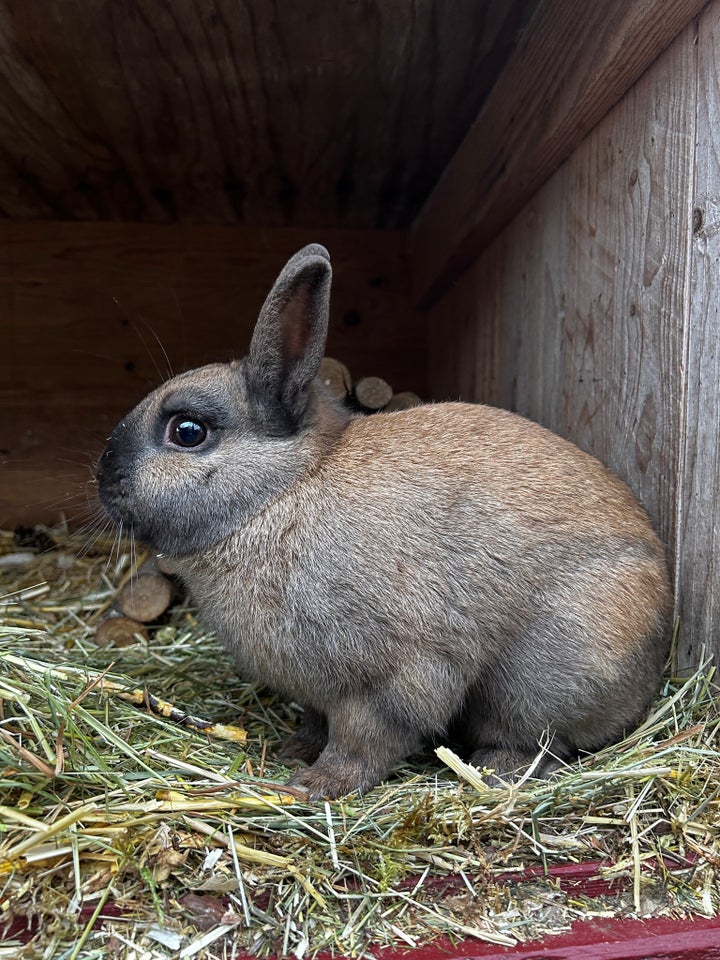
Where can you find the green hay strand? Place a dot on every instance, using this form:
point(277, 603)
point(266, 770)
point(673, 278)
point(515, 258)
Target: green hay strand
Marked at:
point(203, 853)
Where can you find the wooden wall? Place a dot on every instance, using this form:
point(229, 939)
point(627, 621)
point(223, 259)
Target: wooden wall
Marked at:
point(92, 316)
point(595, 311)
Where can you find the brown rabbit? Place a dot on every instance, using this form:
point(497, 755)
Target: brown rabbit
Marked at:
point(451, 568)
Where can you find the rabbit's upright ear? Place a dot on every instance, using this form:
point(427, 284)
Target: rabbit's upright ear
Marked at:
point(289, 339)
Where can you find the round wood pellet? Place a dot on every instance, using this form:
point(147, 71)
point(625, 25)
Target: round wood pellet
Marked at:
point(336, 377)
point(373, 393)
point(145, 597)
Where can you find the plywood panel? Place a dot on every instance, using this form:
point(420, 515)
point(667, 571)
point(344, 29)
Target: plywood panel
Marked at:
point(629, 212)
point(582, 300)
point(533, 322)
point(698, 572)
point(96, 314)
point(470, 333)
point(218, 111)
point(574, 62)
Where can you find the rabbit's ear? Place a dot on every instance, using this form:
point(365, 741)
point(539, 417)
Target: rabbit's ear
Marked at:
point(289, 339)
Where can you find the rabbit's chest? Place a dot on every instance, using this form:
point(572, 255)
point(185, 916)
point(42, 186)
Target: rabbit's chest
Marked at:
point(256, 601)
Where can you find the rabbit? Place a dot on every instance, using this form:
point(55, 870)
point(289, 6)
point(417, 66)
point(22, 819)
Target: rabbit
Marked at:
point(450, 570)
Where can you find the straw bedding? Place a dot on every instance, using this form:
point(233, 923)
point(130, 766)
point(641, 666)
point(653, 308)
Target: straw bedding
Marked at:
point(178, 833)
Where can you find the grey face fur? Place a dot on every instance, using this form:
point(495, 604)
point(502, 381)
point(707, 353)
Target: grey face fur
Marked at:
point(257, 414)
point(169, 495)
point(452, 568)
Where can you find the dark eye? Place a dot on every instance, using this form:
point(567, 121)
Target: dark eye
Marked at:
point(186, 432)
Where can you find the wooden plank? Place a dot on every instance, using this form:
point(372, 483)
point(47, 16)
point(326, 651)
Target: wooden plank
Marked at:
point(653, 938)
point(271, 114)
point(629, 212)
point(127, 280)
point(468, 329)
point(532, 325)
point(698, 522)
point(453, 329)
point(574, 62)
point(581, 302)
point(92, 310)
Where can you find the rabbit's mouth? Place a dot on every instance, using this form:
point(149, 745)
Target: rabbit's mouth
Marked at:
point(114, 501)
point(113, 487)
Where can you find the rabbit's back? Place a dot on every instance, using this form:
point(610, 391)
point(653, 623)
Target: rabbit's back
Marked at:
point(486, 459)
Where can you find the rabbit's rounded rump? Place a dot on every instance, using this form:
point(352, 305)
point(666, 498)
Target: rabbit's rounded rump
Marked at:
point(453, 568)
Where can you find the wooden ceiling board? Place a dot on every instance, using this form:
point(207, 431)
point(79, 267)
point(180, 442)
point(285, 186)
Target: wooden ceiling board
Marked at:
point(263, 112)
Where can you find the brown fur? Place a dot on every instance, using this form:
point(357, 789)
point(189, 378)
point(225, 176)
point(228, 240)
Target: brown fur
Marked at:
point(451, 569)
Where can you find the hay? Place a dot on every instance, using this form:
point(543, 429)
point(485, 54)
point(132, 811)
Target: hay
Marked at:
point(190, 847)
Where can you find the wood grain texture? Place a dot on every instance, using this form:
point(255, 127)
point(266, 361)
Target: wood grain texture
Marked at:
point(90, 311)
point(538, 295)
point(499, 331)
point(579, 307)
point(629, 213)
point(573, 63)
point(698, 529)
point(655, 938)
point(227, 111)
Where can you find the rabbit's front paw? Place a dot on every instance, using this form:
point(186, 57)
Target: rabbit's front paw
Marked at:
point(324, 781)
point(364, 744)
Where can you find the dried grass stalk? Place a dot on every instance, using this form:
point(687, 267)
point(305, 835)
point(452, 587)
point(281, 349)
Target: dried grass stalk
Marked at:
point(177, 814)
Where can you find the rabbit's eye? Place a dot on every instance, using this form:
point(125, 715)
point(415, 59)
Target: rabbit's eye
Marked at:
point(186, 432)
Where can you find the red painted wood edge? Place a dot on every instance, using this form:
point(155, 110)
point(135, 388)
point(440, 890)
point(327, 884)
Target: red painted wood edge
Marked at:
point(577, 878)
point(660, 938)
